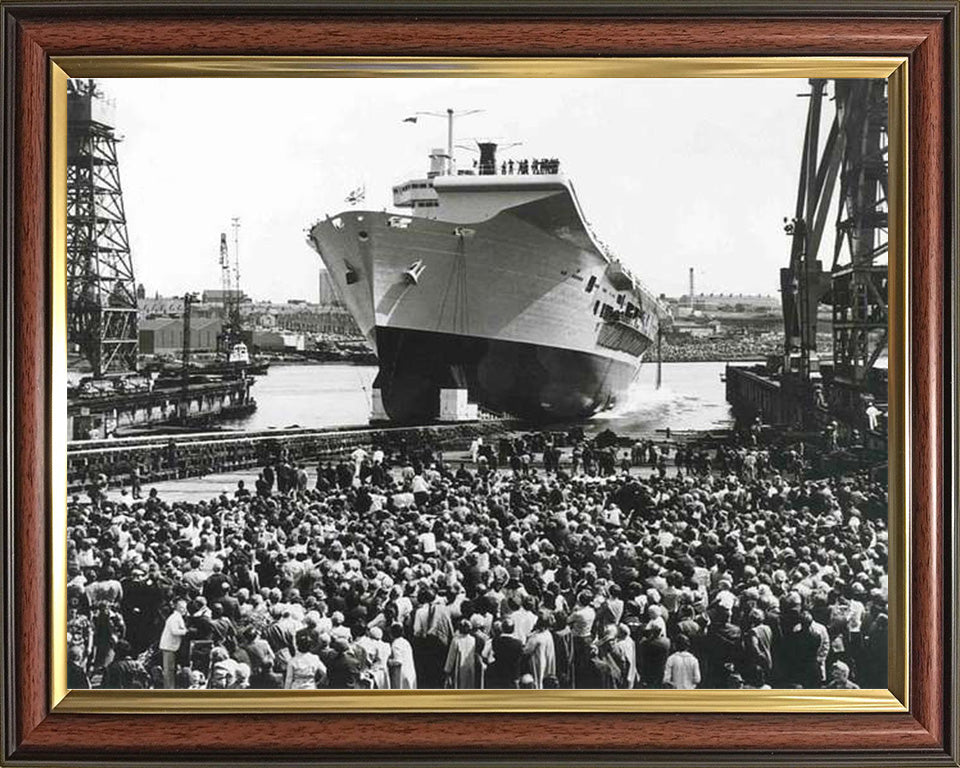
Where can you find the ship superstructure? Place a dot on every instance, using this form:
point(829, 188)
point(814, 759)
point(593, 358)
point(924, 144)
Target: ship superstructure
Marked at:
point(489, 289)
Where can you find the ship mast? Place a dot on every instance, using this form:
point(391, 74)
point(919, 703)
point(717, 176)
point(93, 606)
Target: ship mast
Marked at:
point(449, 115)
point(449, 141)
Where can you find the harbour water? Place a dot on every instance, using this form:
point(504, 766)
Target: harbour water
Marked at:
point(691, 398)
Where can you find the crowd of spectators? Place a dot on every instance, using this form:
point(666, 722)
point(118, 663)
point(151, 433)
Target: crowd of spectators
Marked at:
point(538, 562)
point(749, 346)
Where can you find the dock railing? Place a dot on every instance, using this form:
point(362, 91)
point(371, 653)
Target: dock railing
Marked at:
point(173, 457)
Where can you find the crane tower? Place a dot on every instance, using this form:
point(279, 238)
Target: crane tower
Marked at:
point(855, 286)
point(101, 289)
point(232, 332)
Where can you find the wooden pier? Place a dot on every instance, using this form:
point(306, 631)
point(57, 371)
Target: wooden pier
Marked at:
point(200, 402)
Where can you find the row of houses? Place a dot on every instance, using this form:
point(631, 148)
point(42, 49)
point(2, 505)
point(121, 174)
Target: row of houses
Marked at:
point(328, 317)
point(288, 326)
point(728, 302)
point(304, 318)
point(164, 336)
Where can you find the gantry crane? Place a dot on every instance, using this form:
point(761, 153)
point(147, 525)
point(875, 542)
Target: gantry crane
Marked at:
point(855, 286)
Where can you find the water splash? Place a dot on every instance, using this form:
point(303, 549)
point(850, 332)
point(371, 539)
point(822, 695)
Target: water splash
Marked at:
point(692, 397)
point(643, 396)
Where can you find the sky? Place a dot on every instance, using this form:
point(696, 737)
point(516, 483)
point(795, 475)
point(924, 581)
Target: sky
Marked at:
point(671, 173)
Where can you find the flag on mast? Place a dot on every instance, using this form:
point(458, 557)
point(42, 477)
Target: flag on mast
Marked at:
point(411, 119)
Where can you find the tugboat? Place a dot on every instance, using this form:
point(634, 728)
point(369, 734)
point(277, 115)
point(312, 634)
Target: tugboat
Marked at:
point(233, 352)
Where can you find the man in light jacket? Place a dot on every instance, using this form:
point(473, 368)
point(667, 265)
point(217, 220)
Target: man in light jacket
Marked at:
point(174, 631)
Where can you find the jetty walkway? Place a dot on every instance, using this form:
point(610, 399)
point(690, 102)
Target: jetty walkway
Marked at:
point(163, 458)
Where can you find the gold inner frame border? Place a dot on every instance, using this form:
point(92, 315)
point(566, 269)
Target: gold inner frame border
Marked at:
point(893, 699)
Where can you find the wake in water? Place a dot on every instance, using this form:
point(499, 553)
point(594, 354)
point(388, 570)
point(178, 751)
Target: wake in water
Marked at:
point(641, 397)
point(691, 398)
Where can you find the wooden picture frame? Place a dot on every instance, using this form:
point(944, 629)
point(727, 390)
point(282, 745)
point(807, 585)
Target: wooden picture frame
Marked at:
point(35, 35)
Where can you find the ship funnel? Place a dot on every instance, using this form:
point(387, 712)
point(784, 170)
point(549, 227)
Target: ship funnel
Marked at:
point(488, 158)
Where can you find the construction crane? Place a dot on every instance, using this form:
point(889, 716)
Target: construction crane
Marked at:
point(101, 289)
point(226, 287)
point(855, 286)
point(189, 299)
point(232, 332)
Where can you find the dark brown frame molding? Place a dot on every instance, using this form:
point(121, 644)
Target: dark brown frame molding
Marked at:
point(926, 31)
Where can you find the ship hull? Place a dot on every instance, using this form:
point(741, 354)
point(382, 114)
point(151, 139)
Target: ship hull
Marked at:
point(520, 309)
point(534, 382)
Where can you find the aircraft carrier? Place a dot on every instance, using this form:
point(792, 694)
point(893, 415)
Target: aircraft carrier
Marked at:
point(488, 290)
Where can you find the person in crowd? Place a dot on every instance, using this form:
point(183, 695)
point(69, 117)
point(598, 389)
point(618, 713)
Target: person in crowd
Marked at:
point(403, 672)
point(758, 646)
point(125, 671)
point(76, 670)
point(432, 633)
point(174, 630)
point(345, 668)
point(461, 664)
point(377, 655)
point(610, 664)
point(266, 678)
point(803, 646)
point(682, 670)
point(627, 647)
point(581, 621)
point(223, 669)
point(840, 677)
point(79, 632)
point(540, 652)
point(721, 645)
point(653, 651)
point(507, 649)
point(305, 671)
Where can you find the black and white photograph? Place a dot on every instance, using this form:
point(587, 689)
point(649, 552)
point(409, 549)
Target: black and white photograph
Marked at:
point(403, 383)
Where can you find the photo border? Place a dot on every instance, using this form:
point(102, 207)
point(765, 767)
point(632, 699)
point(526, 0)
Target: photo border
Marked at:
point(926, 31)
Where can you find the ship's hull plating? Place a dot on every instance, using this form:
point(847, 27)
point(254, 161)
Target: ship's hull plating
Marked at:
point(509, 308)
point(530, 381)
